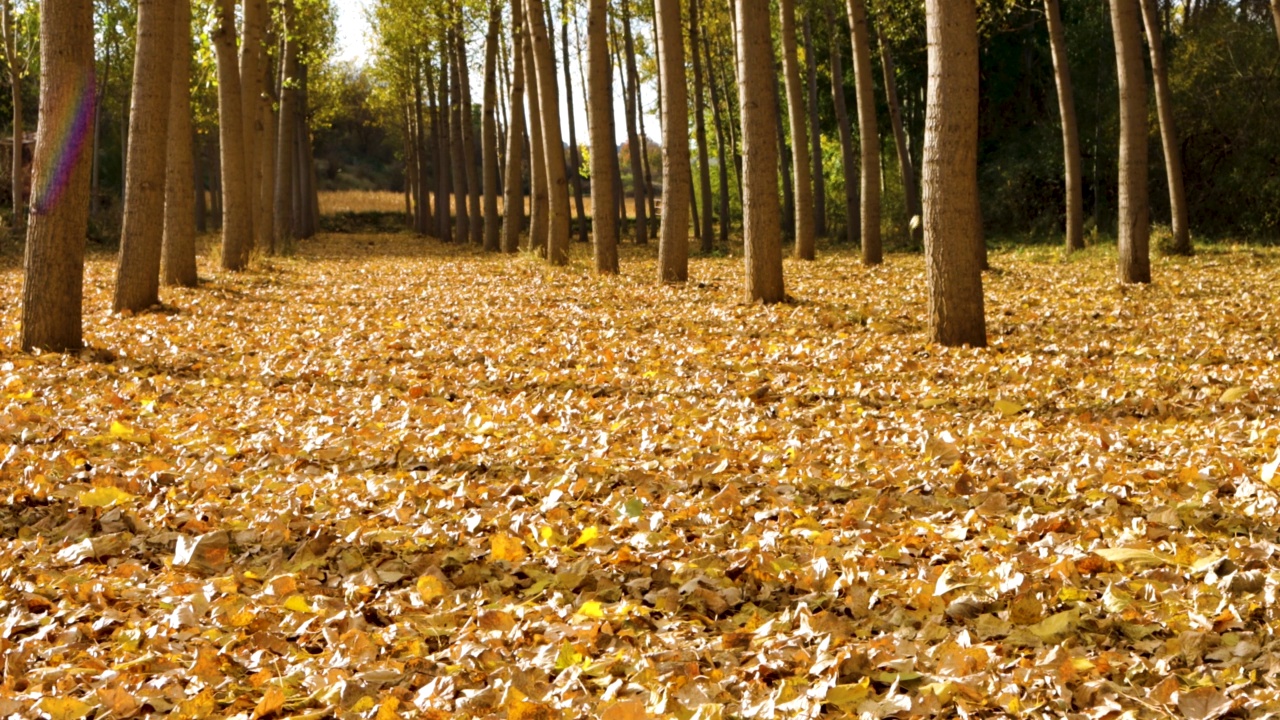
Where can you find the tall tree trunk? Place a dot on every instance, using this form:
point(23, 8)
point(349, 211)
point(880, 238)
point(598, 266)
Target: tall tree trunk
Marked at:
point(575, 155)
point(815, 134)
point(9, 28)
point(142, 231)
point(540, 210)
point(53, 266)
point(951, 220)
point(444, 165)
point(796, 115)
point(457, 148)
point(722, 149)
point(849, 159)
point(673, 243)
point(639, 188)
point(1181, 244)
point(95, 173)
point(178, 251)
point(552, 140)
point(784, 165)
point(905, 166)
point(283, 194)
point(620, 191)
point(418, 141)
point(761, 226)
point(868, 135)
point(513, 196)
point(473, 171)
point(489, 132)
point(1070, 130)
point(1134, 221)
point(198, 183)
point(237, 223)
point(252, 58)
point(604, 215)
point(1275, 16)
point(700, 128)
point(264, 222)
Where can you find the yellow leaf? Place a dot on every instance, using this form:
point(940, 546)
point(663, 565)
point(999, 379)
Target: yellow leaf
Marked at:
point(1233, 394)
point(297, 603)
point(625, 710)
point(587, 536)
point(272, 700)
point(104, 497)
point(1131, 555)
point(128, 434)
point(65, 708)
point(849, 697)
point(1056, 626)
point(932, 402)
point(592, 609)
point(430, 588)
point(387, 710)
point(1008, 408)
point(505, 547)
point(197, 708)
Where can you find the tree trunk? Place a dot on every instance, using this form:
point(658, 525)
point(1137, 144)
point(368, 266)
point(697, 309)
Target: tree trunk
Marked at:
point(722, 149)
point(760, 212)
point(473, 172)
point(575, 155)
point(142, 231)
point(178, 251)
point(552, 140)
point(1134, 220)
point(489, 133)
point(639, 188)
point(9, 28)
point(1070, 130)
point(951, 220)
point(267, 129)
point(1275, 16)
point(513, 196)
point(673, 243)
point(458, 154)
point(539, 215)
point(53, 266)
point(905, 166)
point(1181, 244)
point(868, 135)
point(283, 195)
point(444, 165)
point(797, 110)
point(815, 134)
point(700, 129)
point(604, 214)
point(849, 159)
point(198, 183)
point(784, 165)
point(418, 141)
point(252, 58)
point(237, 223)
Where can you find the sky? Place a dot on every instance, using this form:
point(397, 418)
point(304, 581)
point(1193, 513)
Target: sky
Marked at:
point(353, 45)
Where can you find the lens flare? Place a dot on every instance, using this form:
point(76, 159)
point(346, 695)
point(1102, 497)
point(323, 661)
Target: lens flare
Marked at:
point(69, 134)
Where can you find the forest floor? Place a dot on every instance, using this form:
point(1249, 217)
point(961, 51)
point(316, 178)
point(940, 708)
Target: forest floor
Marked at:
point(393, 478)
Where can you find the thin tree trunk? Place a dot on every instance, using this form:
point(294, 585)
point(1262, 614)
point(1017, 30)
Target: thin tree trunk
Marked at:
point(198, 184)
point(760, 212)
point(444, 165)
point(283, 195)
point(458, 148)
point(16, 175)
point(849, 159)
point(700, 129)
point(785, 159)
point(722, 149)
point(539, 220)
point(673, 243)
point(1275, 16)
point(489, 133)
point(473, 171)
point(1181, 244)
point(552, 142)
point(604, 216)
point(952, 225)
point(178, 253)
point(815, 134)
point(252, 57)
point(868, 135)
point(630, 110)
point(905, 166)
point(267, 129)
point(1070, 130)
point(796, 115)
point(575, 156)
point(237, 223)
point(142, 231)
point(513, 197)
point(53, 266)
point(418, 140)
point(1134, 220)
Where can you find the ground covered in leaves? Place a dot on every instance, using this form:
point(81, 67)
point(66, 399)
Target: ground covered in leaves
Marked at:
point(391, 479)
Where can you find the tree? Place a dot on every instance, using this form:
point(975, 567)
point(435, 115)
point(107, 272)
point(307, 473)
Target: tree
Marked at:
point(552, 140)
point(237, 222)
point(673, 245)
point(1134, 219)
point(53, 266)
point(539, 220)
point(951, 221)
point(815, 132)
point(178, 249)
point(1181, 244)
point(905, 166)
point(138, 272)
point(1070, 132)
point(604, 216)
point(513, 195)
point(760, 210)
point(796, 111)
point(283, 196)
point(849, 161)
point(489, 132)
point(1275, 16)
point(17, 68)
point(630, 111)
point(575, 155)
point(253, 86)
point(722, 147)
point(868, 137)
point(700, 127)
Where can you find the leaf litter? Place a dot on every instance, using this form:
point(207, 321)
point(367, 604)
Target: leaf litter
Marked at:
point(398, 479)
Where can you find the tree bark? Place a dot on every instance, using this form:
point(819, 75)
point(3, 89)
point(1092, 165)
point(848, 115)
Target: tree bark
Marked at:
point(489, 133)
point(178, 250)
point(444, 166)
point(539, 216)
point(905, 165)
point(639, 188)
point(1181, 244)
point(513, 197)
point(700, 129)
point(788, 218)
point(1134, 218)
point(849, 159)
point(1275, 16)
point(604, 214)
point(473, 172)
point(16, 175)
point(760, 211)
point(722, 150)
point(252, 58)
point(552, 140)
point(1070, 130)
point(673, 243)
point(815, 134)
point(868, 135)
point(53, 265)
point(142, 231)
point(951, 220)
point(457, 150)
point(283, 196)
point(237, 223)
point(796, 114)
point(575, 155)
